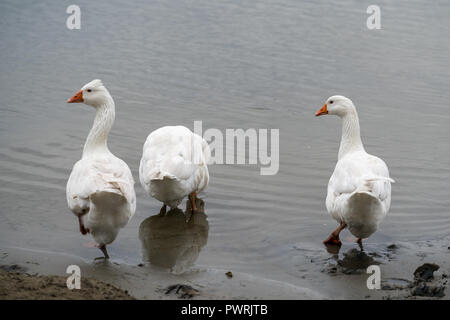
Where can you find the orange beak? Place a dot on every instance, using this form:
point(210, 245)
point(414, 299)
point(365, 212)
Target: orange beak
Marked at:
point(78, 97)
point(322, 111)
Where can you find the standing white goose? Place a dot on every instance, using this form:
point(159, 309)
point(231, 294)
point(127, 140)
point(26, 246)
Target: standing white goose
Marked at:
point(359, 191)
point(101, 186)
point(174, 165)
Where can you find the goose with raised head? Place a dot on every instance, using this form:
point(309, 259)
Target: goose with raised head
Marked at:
point(174, 165)
point(359, 190)
point(100, 190)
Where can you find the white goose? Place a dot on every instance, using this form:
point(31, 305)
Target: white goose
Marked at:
point(359, 191)
point(101, 186)
point(174, 165)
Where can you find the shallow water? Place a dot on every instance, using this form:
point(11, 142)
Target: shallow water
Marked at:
point(231, 64)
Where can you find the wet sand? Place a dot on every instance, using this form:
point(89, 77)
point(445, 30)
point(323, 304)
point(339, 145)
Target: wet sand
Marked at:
point(146, 282)
point(336, 276)
point(23, 286)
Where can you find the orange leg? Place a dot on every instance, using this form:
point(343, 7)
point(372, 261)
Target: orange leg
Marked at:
point(334, 236)
point(192, 199)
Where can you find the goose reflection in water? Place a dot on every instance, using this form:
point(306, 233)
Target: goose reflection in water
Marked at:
point(174, 240)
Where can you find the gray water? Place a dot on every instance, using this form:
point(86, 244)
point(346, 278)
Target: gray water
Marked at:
point(231, 64)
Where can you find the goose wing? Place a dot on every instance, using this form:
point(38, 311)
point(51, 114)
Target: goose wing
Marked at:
point(359, 172)
point(101, 174)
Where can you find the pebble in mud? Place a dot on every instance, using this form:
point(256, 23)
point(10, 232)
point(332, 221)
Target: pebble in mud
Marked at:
point(425, 272)
point(421, 286)
point(183, 291)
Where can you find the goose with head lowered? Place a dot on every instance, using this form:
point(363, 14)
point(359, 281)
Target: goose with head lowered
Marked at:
point(100, 190)
point(359, 190)
point(174, 165)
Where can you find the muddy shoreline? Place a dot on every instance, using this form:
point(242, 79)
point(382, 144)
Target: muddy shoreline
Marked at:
point(147, 282)
point(418, 270)
point(23, 286)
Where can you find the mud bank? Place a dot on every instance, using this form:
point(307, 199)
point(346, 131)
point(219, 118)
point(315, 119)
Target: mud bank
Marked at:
point(409, 270)
point(23, 286)
point(146, 282)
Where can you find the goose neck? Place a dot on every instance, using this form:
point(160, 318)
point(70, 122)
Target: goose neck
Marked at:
point(351, 135)
point(98, 136)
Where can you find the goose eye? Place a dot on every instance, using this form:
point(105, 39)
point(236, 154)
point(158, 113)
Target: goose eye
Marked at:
point(331, 102)
point(88, 90)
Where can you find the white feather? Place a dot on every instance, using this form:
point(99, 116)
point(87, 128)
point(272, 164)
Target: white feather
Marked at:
point(359, 190)
point(101, 184)
point(174, 164)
